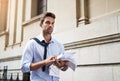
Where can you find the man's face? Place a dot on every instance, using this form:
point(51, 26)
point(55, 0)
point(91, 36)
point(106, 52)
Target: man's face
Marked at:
point(48, 25)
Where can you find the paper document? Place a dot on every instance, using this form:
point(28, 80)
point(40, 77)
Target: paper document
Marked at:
point(68, 56)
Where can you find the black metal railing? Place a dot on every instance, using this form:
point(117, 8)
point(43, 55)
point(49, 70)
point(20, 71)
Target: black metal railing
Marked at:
point(13, 75)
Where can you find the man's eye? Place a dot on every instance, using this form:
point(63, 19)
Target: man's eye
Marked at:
point(47, 22)
point(52, 23)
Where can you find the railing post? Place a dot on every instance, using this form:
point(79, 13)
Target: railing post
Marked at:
point(11, 77)
point(5, 73)
point(17, 79)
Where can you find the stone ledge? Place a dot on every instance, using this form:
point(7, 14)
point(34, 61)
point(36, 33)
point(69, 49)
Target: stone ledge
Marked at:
point(34, 19)
point(93, 41)
point(3, 33)
point(10, 59)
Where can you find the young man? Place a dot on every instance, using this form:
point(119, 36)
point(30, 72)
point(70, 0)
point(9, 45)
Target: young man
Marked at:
point(41, 52)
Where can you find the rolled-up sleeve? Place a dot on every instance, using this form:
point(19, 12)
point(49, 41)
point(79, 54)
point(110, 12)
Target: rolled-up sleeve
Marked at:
point(27, 57)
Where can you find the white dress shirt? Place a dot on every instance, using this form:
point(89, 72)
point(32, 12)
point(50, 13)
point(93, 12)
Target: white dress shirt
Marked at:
point(34, 52)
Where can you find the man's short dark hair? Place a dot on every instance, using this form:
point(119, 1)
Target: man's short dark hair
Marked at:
point(44, 15)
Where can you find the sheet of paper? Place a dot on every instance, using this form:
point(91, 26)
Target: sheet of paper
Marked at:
point(69, 56)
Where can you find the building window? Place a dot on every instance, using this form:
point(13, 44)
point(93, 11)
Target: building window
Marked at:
point(3, 14)
point(42, 6)
point(38, 7)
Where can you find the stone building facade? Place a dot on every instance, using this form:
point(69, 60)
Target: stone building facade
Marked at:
point(90, 27)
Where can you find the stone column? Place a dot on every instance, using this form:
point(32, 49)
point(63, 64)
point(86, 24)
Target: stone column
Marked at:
point(82, 12)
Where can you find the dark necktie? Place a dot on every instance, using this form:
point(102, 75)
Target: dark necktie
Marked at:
point(43, 43)
point(45, 53)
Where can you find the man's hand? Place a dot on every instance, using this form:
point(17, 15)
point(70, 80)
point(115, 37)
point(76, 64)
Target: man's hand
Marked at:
point(61, 64)
point(37, 65)
point(50, 60)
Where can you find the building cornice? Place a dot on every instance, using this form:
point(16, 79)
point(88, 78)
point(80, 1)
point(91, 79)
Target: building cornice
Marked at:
point(94, 41)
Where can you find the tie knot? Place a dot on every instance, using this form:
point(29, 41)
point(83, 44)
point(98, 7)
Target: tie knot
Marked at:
point(44, 43)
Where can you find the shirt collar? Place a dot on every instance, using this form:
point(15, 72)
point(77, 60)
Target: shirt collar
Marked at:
point(41, 38)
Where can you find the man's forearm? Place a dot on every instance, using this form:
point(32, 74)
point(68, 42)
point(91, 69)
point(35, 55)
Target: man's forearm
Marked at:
point(37, 65)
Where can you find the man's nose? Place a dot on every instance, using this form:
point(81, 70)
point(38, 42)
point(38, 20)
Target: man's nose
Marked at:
point(51, 24)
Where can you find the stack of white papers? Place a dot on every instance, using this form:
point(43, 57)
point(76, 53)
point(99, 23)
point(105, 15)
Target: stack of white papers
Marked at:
point(67, 56)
